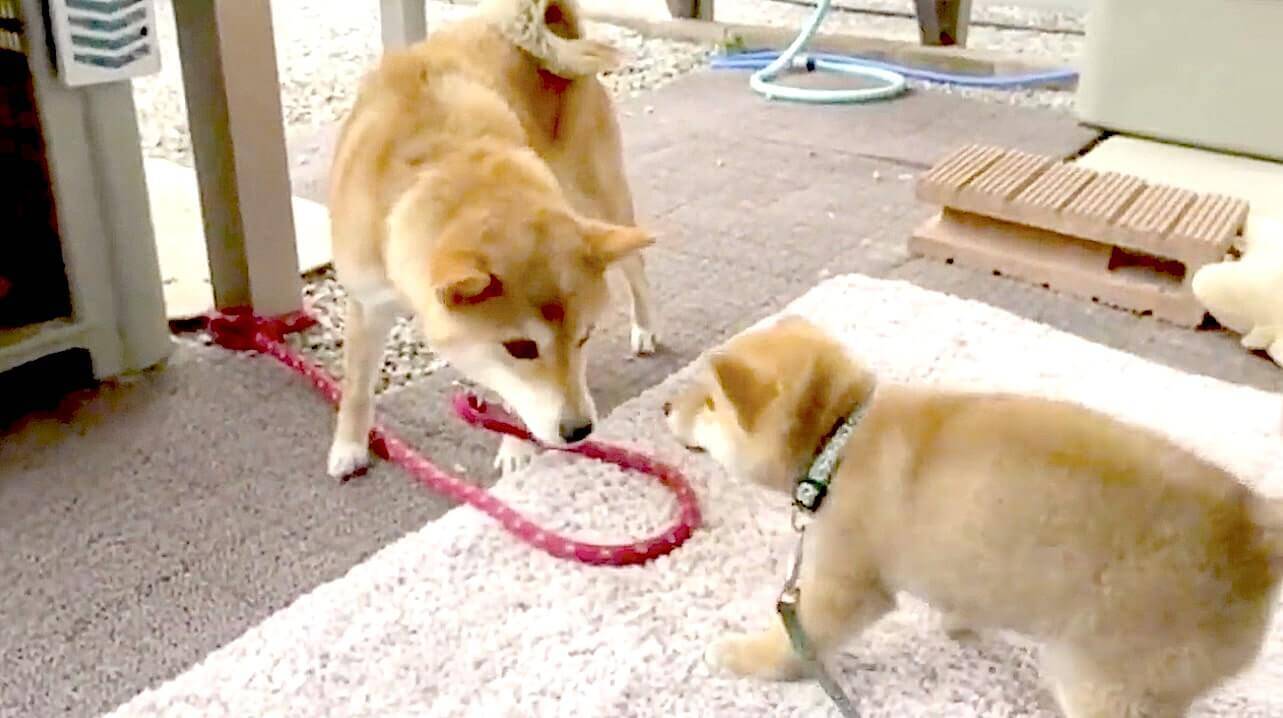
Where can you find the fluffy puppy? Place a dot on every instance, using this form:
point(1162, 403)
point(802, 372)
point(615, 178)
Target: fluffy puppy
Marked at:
point(1147, 573)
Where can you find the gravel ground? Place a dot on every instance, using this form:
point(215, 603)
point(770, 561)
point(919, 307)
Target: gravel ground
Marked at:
point(1061, 47)
point(323, 48)
point(407, 359)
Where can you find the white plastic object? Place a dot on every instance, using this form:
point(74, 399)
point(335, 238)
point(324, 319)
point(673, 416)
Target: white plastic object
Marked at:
point(1196, 72)
point(1244, 294)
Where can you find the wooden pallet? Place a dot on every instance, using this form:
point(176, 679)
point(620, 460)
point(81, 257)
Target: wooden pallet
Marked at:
point(1103, 236)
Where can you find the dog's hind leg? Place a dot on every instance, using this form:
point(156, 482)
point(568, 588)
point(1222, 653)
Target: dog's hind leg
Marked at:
point(606, 195)
point(1088, 687)
point(366, 327)
point(642, 334)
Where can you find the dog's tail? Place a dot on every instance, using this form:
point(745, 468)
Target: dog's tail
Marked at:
point(550, 31)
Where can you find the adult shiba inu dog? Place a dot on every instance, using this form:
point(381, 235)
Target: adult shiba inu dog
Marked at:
point(479, 182)
point(1147, 573)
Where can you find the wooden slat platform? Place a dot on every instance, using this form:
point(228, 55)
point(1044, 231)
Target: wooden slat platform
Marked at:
point(1107, 237)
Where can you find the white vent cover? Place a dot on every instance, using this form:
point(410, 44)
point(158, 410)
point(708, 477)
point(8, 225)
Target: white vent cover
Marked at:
point(101, 41)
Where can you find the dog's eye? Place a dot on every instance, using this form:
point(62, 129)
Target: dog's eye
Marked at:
point(522, 348)
point(708, 404)
point(584, 340)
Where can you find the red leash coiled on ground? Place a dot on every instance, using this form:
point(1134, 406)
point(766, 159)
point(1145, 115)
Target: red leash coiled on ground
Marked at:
point(241, 330)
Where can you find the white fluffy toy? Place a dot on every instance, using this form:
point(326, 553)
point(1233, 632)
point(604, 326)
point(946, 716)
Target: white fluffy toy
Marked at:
point(1246, 294)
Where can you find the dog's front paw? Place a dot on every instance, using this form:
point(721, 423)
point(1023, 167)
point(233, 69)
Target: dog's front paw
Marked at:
point(643, 341)
point(755, 656)
point(514, 455)
point(347, 458)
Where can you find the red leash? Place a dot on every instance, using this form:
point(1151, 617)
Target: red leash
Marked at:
point(241, 330)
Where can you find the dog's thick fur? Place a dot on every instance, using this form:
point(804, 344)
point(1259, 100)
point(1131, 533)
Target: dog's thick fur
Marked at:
point(1147, 573)
point(479, 182)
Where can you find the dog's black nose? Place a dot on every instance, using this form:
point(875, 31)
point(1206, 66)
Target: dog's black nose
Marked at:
point(668, 408)
point(573, 433)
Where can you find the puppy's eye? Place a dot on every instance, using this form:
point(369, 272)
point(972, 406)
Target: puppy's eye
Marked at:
point(708, 404)
point(584, 340)
point(522, 348)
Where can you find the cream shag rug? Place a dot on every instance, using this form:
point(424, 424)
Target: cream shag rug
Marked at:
point(458, 619)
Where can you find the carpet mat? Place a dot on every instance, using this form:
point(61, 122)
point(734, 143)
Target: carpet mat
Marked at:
point(459, 619)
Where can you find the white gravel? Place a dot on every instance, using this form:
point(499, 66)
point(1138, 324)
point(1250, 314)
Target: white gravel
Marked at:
point(324, 47)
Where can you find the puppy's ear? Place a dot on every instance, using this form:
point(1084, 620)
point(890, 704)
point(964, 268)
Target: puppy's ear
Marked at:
point(796, 324)
point(748, 392)
point(461, 278)
point(608, 243)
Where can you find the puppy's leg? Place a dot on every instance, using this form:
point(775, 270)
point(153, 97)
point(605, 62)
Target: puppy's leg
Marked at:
point(830, 609)
point(643, 336)
point(1088, 687)
point(365, 330)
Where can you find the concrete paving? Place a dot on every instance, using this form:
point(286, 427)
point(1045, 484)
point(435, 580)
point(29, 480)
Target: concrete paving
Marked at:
point(171, 514)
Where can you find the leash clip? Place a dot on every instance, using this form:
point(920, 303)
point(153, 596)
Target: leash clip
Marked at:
point(800, 520)
point(787, 608)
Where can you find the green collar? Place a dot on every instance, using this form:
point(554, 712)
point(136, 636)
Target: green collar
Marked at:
point(813, 486)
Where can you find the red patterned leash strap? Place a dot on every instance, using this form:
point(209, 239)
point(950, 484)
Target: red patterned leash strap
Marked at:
point(241, 330)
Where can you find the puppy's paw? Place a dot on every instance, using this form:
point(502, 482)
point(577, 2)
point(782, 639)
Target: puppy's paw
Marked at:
point(959, 630)
point(643, 341)
point(514, 455)
point(347, 458)
point(754, 656)
point(720, 653)
point(962, 634)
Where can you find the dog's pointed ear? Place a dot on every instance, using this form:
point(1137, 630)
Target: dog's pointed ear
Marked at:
point(461, 278)
point(609, 243)
point(747, 390)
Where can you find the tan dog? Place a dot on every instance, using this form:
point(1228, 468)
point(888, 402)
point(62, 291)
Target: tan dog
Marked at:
point(479, 182)
point(1147, 573)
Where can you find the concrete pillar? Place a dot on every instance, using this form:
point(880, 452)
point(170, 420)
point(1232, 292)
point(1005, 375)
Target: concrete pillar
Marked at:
point(697, 9)
point(404, 22)
point(943, 22)
point(233, 96)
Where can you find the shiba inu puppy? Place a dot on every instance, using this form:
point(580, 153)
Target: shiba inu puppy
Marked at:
point(479, 182)
point(1147, 573)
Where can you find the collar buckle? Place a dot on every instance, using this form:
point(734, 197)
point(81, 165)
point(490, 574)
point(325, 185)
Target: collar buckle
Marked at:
point(810, 490)
point(809, 493)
